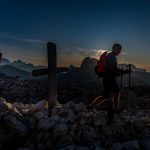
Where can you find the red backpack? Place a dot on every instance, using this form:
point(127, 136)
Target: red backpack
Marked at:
point(100, 67)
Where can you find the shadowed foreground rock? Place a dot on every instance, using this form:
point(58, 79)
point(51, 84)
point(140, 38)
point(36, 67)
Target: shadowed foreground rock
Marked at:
point(69, 127)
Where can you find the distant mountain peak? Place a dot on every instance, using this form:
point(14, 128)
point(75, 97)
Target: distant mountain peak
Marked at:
point(19, 61)
point(5, 61)
point(22, 65)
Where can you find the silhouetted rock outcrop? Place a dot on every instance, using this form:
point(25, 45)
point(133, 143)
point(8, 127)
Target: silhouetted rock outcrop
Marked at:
point(88, 64)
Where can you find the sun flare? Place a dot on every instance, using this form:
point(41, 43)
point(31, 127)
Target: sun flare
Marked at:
point(98, 53)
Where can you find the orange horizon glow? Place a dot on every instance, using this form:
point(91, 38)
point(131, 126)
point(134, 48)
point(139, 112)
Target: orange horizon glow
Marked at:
point(74, 60)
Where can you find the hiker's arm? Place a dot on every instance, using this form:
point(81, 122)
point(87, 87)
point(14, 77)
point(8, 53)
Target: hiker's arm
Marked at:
point(120, 72)
point(127, 71)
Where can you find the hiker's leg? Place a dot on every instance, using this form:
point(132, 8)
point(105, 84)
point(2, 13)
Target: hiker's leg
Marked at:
point(97, 101)
point(116, 100)
point(116, 94)
point(106, 93)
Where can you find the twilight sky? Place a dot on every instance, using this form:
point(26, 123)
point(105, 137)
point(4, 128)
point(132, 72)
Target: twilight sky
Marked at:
point(79, 28)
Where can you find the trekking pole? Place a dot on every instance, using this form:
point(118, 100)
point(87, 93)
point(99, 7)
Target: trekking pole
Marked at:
point(129, 86)
point(121, 78)
point(121, 87)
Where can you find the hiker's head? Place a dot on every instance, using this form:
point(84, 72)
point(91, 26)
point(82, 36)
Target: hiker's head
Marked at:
point(116, 49)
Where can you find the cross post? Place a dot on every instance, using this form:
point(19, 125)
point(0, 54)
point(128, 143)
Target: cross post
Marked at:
point(51, 71)
point(52, 79)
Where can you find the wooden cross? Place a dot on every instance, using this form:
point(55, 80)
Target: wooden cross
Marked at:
point(51, 71)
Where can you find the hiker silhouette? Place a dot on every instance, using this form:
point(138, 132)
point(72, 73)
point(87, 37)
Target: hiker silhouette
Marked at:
point(109, 74)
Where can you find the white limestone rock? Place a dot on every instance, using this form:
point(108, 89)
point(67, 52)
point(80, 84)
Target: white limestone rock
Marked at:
point(40, 106)
point(8, 107)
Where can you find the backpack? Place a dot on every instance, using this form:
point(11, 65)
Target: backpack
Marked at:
point(100, 67)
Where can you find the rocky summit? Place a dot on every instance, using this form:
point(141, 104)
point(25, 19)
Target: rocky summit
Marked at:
point(70, 127)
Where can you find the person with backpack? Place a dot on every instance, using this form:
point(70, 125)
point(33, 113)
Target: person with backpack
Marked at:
point(107, 68)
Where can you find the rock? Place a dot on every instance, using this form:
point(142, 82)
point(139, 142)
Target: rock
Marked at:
point(131, 145)
point(61, 129)
point(31, 123)
point(23, 108)
point(116, 146)
point(120, 130)
point(84, 134)
point(8, 107)
point(139, 125)
point(64, 113)
point(40, 106)
point(46, 124)
point(82, 148)
point(15, 125)
point(56, 109)
point(100, 119)
point(70, 105)
point(69, 147)
point(41, 146)
point(41, 115)
point(89, 134)
point(79, 107)
point(145, 143)
point(65, 141)
point(70, 126)
point(71, 117)
point(99, 148)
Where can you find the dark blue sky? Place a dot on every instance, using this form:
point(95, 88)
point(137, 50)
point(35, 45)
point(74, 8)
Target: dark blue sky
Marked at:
point(78, 27)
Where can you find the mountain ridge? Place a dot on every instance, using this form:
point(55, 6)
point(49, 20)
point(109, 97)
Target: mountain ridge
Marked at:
point(13, 71)
point(84, 72)
point(21, 65)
